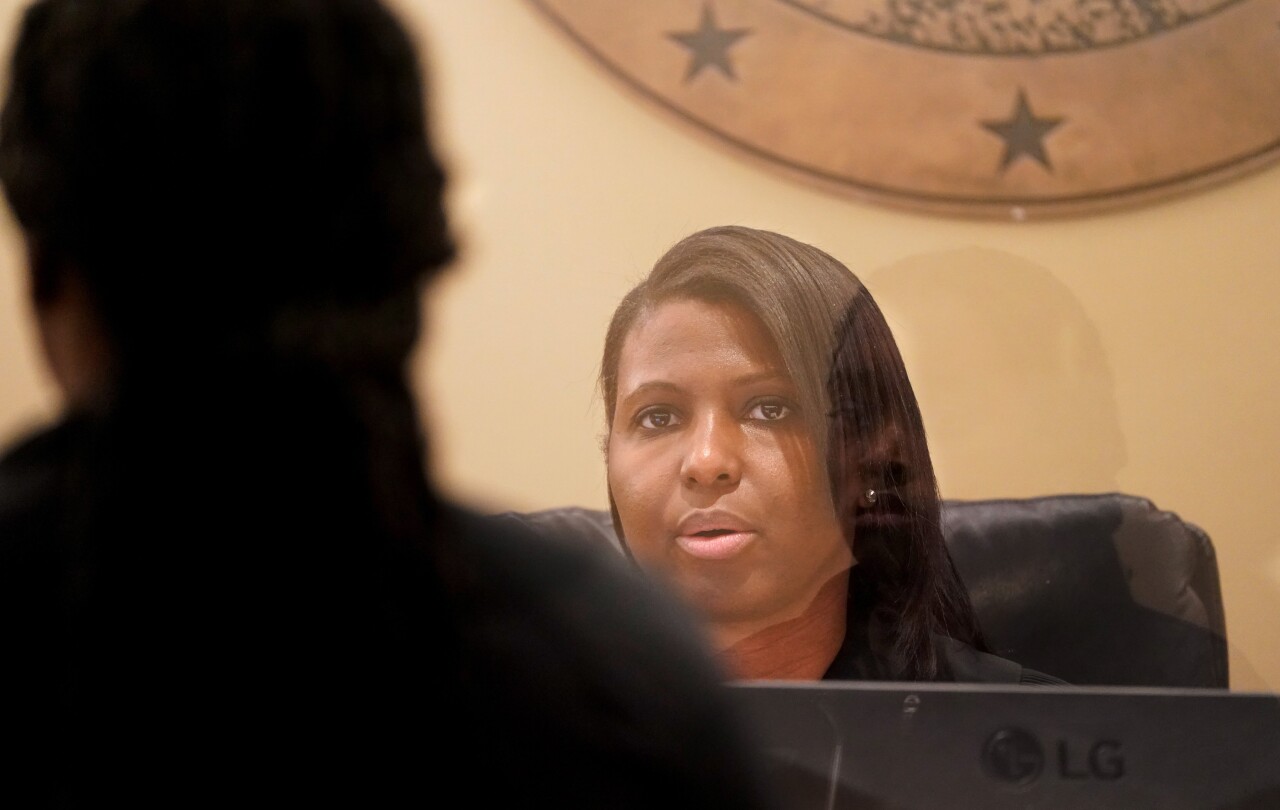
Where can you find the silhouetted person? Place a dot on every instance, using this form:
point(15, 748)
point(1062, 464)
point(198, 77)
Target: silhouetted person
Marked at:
point(224, 575)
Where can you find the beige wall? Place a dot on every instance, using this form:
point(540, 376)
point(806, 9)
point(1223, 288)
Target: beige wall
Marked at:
point(1135, 350)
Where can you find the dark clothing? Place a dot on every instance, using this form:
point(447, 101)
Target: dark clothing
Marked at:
point(222, 607)
point(962, 664)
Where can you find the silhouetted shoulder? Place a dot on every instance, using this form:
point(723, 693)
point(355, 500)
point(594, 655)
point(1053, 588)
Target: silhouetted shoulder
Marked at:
point(514, 665)
point(37, 475)
point(573, 641)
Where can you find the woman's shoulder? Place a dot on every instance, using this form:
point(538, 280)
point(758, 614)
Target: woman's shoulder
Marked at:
point(971, 665)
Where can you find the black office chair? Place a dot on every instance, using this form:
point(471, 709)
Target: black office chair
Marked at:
point(1102, 589)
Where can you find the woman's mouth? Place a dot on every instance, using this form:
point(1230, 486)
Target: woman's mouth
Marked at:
point(714, 544)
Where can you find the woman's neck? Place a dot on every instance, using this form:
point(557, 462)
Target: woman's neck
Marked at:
point(796, 649)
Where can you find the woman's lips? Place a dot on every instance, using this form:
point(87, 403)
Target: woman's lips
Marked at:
point(714, 545)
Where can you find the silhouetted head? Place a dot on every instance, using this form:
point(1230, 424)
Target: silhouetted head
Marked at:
point(219, 173)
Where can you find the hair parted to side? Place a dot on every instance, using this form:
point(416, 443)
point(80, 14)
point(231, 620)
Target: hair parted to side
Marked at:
point(862, 413)
point(207, 164)
point(798, 292)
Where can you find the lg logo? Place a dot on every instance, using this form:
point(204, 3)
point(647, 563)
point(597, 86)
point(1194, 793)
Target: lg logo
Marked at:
point(1014, 755)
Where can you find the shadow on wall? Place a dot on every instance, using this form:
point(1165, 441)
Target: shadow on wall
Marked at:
point(1013, 382)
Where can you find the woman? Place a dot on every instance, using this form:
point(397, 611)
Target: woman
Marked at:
point(766, 454)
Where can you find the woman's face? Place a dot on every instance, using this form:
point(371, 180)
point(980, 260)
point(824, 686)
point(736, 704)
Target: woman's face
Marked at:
point(713, 470)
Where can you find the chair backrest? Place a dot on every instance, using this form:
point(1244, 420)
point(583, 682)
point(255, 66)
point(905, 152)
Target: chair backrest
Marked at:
point(1099, 589)
point(1102, 589)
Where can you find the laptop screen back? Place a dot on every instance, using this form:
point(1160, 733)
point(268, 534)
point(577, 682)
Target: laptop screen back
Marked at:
point(912, 746)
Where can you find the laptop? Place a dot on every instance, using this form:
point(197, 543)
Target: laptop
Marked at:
point(924, 746)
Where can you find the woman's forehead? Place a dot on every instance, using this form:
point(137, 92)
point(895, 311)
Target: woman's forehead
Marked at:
point(691, 337)
point(693, 326)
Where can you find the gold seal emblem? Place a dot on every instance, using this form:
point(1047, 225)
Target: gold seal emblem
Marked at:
point(1007, 108)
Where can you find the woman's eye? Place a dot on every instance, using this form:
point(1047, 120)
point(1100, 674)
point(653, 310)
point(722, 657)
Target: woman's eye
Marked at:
point(770, 411)
point(656, 419)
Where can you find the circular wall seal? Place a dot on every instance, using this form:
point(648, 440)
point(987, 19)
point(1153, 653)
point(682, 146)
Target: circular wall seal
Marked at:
point(1008, 108)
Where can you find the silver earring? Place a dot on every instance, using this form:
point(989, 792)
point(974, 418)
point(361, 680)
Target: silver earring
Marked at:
point(870, 497)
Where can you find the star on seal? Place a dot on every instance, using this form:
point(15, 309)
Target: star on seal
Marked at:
point(1023, 133)
point(709, 45)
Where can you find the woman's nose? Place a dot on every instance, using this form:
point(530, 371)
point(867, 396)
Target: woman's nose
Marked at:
point(713, 457)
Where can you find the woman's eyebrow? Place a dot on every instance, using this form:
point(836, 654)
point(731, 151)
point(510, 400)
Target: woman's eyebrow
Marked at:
point(767, 375)
point(649, 386)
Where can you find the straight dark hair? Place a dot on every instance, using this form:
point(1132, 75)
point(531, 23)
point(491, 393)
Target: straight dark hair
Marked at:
point(905, 587)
